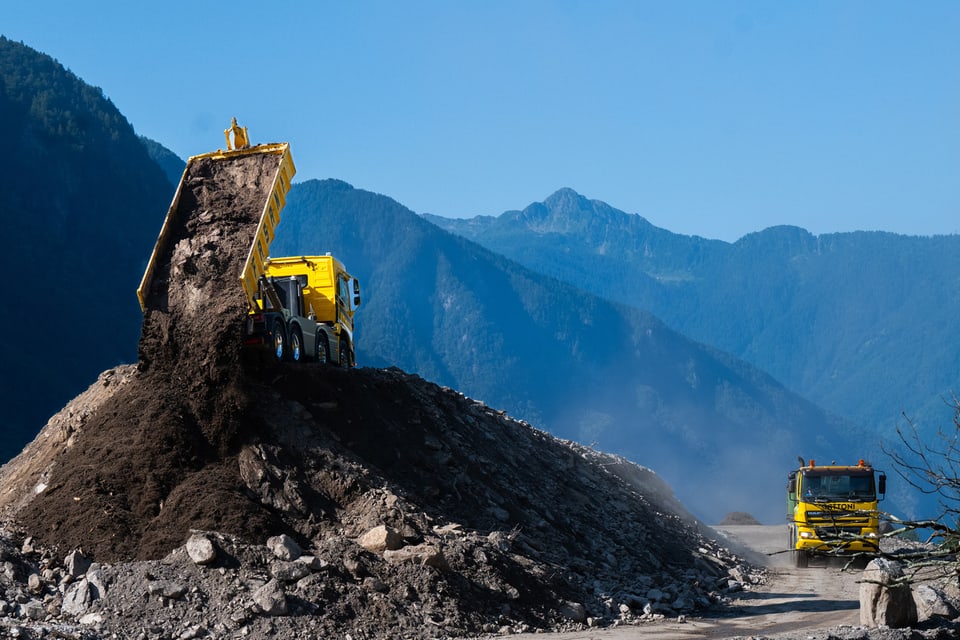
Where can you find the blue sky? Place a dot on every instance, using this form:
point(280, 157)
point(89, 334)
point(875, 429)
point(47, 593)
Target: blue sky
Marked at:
point(709, 118)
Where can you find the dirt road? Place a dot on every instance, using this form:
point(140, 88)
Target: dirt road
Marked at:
point(794, 602)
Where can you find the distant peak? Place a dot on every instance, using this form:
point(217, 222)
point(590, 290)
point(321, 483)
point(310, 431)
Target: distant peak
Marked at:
point(565, 200)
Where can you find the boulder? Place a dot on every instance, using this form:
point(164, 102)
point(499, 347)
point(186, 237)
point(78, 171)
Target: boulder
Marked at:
point(574, 611)
point(423, 554)
point(284, 547)
point(76, 563)
point(885, 596)
point(379, 539)
point(933, 603)
point(168, 589)
point(201, 550)
point(78, 597)
point(271, 599)
point(289, 571)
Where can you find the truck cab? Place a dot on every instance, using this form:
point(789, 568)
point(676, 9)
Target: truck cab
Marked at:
point(305, 311)
point(832, 510)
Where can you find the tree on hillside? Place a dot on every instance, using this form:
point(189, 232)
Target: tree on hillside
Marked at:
point(933, 468)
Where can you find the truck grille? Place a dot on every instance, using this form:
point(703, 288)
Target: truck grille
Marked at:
point(837, 533)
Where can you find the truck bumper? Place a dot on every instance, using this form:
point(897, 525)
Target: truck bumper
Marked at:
point(837, 547)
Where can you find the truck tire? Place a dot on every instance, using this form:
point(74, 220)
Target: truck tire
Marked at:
point(343, 355)
point(279, 341)
point(296, 344)
point(800, 559)
point(322, 354)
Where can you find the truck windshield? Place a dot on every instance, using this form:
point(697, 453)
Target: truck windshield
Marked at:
point(825, 485)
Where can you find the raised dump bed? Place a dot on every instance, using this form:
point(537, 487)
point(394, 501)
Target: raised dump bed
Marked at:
point(241, 192)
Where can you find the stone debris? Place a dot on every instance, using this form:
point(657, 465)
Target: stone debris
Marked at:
point(201, 550)
point(380, 539)
point(885, 597)
point(284, 547)
point(271, 599)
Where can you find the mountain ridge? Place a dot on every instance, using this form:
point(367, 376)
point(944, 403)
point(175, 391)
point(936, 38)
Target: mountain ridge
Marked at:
point(476, 321)
point(780, 322)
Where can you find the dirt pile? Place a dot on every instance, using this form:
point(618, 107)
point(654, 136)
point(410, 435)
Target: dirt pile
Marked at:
point(524, 531)
point(484, 523)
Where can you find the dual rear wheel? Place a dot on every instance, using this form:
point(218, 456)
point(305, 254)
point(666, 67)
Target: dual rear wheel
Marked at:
point(292, 349)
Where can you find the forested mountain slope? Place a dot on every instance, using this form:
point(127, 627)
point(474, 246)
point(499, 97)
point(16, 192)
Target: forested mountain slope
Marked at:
point(82, 204)
point(555, 355)
point(861, 323)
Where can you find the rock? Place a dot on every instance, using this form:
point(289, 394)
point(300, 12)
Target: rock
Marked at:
point(201, 550)
point(932, 602)
point(289, 571)
point(76, 563)
point(312, 562)
point(574, 611)
point(371, 583)
point(354, 567)
point(284, 547)
point(195, 631)
point(97, 582)
point(90, 619)
point(885, 599)
point(271, 599)
point(167, 589)
point(33, 610)
point(422, 554)
point(78, 597)
point(379, 539)
point(34, 583)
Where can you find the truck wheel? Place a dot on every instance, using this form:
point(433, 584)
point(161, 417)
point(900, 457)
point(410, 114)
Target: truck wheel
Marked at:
point(296, 345)
point(800, 559)
point(279, 342)
point(323, 348)
point(343, 355)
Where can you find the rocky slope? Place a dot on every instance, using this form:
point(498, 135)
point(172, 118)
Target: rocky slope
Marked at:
point(422, 513)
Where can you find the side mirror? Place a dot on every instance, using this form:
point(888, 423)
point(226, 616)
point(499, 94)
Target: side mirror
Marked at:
point(356, 293)
point(882, 488)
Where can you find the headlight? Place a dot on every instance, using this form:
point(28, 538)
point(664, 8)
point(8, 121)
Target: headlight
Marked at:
point(806, 534)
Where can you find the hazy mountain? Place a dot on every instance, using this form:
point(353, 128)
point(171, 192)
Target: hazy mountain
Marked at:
point(82, 206)
point(553, 354)
point(861, 323)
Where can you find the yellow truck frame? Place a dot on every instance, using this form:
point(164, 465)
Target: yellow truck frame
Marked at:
point(833, 510)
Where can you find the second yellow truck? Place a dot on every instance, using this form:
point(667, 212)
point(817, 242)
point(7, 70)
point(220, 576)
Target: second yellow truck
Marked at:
point(832, 510)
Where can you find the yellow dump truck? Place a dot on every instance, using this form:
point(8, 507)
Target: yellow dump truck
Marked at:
point(298, 308)
point(305, 310)
point(832, 510)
